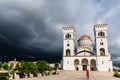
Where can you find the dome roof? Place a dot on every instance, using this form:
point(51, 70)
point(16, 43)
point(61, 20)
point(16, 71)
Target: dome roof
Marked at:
point(84, 37)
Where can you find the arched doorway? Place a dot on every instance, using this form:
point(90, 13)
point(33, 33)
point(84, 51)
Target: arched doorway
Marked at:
point(76, 63)
point(84, 63)
point(93, 65)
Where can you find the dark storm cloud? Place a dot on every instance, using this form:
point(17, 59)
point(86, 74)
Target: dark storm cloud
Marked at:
point(36, 25)
point(27, 26)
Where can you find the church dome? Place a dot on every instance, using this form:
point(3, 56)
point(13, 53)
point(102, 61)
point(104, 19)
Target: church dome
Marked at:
point(84, 37)
point(85, 42)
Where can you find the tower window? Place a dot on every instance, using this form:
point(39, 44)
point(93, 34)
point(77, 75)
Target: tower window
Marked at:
point(68, 44)
point(68, 52)
point(101, 34)
point(101, 43)
point(67, 36)
point(102, 52)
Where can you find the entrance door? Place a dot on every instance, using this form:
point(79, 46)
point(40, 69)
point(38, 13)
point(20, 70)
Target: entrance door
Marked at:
point(84, 67)
point(84, 63)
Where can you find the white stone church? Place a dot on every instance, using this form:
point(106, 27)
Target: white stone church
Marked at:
point(87, 56)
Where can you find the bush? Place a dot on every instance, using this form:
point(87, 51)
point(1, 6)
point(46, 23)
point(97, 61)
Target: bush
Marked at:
point(35, 74)
point(116, 74)
point(5, 66)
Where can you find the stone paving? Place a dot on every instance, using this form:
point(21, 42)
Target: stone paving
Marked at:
point(77, 75)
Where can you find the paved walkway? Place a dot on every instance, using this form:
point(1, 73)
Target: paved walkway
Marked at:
point(77, 75)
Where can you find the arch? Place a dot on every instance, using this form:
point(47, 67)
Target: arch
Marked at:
point(84, 63)
point(93, 64)
point(102, 51)
point(11, 65)
point(68, 52)
point(76, 62)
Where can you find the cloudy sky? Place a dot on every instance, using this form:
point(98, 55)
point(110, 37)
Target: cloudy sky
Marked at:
point(32, 29)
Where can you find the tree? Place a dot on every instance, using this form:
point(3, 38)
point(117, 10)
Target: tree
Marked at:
point(56, 66)
point(21, 69)
point(27, 68)
point(33, 69)
point(5, 66)
point(17, 66)
point(42, 67)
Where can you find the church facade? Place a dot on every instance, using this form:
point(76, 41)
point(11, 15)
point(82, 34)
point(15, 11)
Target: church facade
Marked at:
point(87, 56)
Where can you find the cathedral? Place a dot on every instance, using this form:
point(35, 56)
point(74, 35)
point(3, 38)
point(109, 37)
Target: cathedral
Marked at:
point(87, 56)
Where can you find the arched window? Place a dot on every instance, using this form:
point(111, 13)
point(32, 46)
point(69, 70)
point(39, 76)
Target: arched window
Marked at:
point(68, 52)
point(93, 64)
point(76, 62)
point(101, 34)
point(102, 51)
point(67, 36)
point(84, 61)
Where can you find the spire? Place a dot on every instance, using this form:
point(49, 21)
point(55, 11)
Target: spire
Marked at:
point(68, 25)
point(99, 22)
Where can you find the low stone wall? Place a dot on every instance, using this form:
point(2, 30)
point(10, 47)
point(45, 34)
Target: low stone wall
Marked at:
point(3, 75)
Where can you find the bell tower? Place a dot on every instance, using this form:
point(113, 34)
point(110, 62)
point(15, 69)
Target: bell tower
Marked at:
point(68, 41)
point(101, 39)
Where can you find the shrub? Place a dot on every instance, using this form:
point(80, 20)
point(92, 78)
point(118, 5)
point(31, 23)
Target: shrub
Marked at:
point(116, 74)
point(5, 66)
